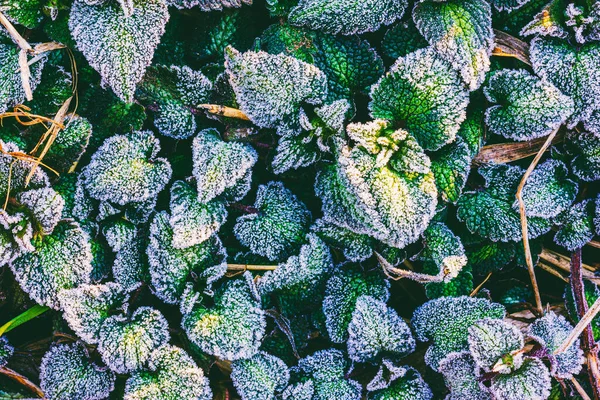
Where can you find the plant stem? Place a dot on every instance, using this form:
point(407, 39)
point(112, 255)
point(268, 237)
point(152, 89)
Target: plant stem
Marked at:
point(22, 318)
point(579, 389)
point(248, 267)
point(224, 111)
point(519, 196)
point(587, 340)
point(22, 380)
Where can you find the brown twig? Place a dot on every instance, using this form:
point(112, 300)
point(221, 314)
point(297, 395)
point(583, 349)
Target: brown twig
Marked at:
point(14, 375)
point(224, 111)
point(594, 243)
point(579, 389)
point(510, 46)
point(552, 271)
point(519, 196)
point(587, 340)
point(478, 288)
point(248, 267)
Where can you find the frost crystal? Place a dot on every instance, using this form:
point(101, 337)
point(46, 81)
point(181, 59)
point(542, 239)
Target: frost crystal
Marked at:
point(86, 307)
point(356, 247)
point(377, 329)
point(391, 205)
point(586, 163)
point(125, 169)
point(233, 328)
point(550, 332)
point(119, 233)
point(11, 91)
point(422, 92)
point(446, 321)
point(118, 46)
point(531, 381)
point(259, 377)
point(67, 373)
point(192, 221)
point(45, 206)
point(279, 226)
point(327, 370)
point(172, 374)
point(528, 108)
point(495, 345)
point(346, 16)
point(219, 165)
point(461, 377)
point(342, 291)
point(171, 92)
point(574, 71)
point(170, 268)
point(208, 5)
point(130, 268)
point(271, 88)
point(62, 260)
point(461, 32)
point(6, 351)
point(409, 386)
point(299, 281)
point(126, 343)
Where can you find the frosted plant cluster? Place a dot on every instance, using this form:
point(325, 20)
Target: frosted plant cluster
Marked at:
point(299, 199)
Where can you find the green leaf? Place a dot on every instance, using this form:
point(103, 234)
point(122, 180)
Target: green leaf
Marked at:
point(530, 381)
point(586, 160)
point(461, 32)
point(23, 318)
point(346, 16)
point(402, 39)
point(495, 345)
point(259, 377)
point(451, 166)
point(576, 226)
point(410, 386)
point(462, 378)
point(11, 91)
point(208, 5)
point(575, 71)
point(23, 12)
point(422, 92)
point(118, 46)
point(527, 107)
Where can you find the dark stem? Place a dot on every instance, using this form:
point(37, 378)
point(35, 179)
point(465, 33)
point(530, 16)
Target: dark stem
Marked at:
point(244, 208)
point(587, 339)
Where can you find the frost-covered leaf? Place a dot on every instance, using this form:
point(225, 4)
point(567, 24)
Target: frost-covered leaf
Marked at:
point(299, 281)
point(327, 368)
point(548, 190)
point(445, 323)
point(233, 328)
point(170, 267)
point(346, 16)
point(461, 32)
point(350, 64)
point(294, 152)
point(490, 212)
point(390, 205)
point(62, 260)
point(356, 247)
point(11, 90)
point(490, 256)
point(67, 373)
point(6, 351)
point(125, 169)
point(586, 163)
point(45, 207)
point(23, 12)
point(402, 39)
point(270, 88)
point(171, 374)
point(376, 329)
point(496, 345)
point(219, 165)
point(591, 292)
point(526, 107)
point(208, 5)
point(574, 71)
point(343, 289)
point(278, 227)
point(409, 386)
point(125, 343)
point(171, 93)
point(193, 222)
point(422, 92)
point(118, 46)
point(531, 381)
point(576, 226)
point(461, 377)
point(118, 233)
point(259, 377)
point(443, 252)
point(130, 268)
point(86, 307)
point(550, 332)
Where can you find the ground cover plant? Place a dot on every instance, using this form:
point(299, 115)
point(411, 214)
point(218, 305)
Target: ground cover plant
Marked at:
point(299, 199)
